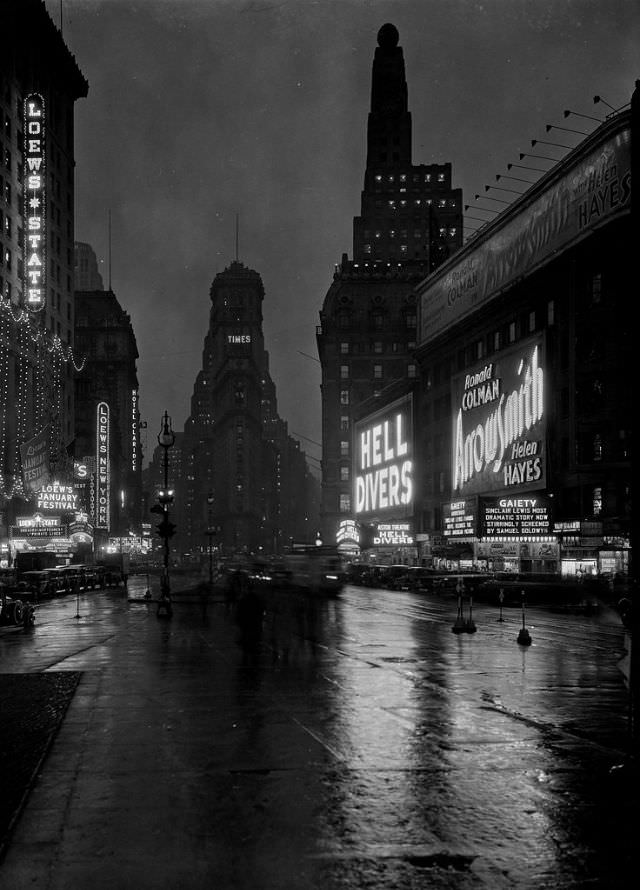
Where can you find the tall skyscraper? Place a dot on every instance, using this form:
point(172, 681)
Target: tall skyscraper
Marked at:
point(39, 84)
point(235, 445)
point(410, 221)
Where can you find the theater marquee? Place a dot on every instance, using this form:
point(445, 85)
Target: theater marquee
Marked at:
point(499, 424)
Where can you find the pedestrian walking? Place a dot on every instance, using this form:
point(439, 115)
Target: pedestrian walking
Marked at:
point(250, 618)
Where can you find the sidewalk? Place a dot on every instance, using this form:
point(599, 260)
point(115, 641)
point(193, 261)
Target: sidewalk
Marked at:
point(386, 759)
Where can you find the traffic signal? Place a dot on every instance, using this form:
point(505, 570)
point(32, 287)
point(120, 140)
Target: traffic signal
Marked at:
point(166, 529)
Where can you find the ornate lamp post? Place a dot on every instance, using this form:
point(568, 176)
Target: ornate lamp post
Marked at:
point(166, 529)
point(210, 533)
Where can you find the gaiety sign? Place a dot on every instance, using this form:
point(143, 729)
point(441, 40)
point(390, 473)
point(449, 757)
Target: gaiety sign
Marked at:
point(34, 188)
point(499, 424)
point(383, 467)
point(103, 471)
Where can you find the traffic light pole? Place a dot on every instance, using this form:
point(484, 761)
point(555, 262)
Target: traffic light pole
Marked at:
point(166, 439)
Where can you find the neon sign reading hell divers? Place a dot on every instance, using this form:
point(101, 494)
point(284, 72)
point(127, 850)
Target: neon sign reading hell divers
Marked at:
point(384, 470)
point(499, 443)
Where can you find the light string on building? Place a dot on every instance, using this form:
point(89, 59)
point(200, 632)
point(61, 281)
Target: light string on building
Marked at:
point(40, 357)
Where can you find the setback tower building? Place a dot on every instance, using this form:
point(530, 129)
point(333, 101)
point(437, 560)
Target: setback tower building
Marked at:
point(410, 221)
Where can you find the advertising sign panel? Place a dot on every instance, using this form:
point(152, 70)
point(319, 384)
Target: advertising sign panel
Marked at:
point(103, 469)
point(34, 192)
point(499, 424)
point(522, 517)
point(597, 188)
point(383, 461)
point(459, 519)
point(34, 456)
point(390, 534)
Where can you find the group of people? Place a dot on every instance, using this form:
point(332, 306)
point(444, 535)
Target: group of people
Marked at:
point(278, 617)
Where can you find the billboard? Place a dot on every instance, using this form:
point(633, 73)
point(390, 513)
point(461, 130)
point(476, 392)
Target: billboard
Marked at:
point(383, 461)
point(459, 519)
point(515, 517)
point(34, 192)
point(34, 456)
point(103, 468)
point(499, 424)
point(594, 190)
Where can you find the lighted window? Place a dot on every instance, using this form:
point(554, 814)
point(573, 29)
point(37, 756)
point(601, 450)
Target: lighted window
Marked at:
point(403, 177)
point(392, 233)
point(378, 234)
point(597, 447)
point(427, 177)
point(377, 346)
point(377, 372)
point(411, 371)
point(344, 473)
point(344, 396)
point(344, 448)
point(551, 312)
point(378, 177)
point(344, 422)
point(440, 177)
point(403, 248)
point(417, 234)
point(390, 177)
point(442, 202)
point(376, 394)
point(345, 503)
point(597, 501)
point(367, 248)
point(392, 204)
point(453, 232)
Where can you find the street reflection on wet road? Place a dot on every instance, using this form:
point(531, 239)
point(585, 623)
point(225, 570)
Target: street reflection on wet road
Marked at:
point(367, 745)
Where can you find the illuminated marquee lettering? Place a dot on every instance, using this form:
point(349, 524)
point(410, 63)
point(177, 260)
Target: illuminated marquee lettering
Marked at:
point(384, 465)
point(103, 472)
point(134, 429)
point(34, 190)
point(57, 497)
point(504, 442)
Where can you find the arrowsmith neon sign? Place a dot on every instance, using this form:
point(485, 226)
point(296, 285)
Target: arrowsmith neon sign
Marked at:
point(34, 189)
point(498, 430)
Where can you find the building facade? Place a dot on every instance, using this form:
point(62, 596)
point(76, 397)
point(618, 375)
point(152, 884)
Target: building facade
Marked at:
point(521, 423)
point(39, 84)
point(107, 444)
point(236, 449)
point(410, 221)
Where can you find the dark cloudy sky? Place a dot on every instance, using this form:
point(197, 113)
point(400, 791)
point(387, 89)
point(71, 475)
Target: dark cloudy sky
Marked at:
point(199, 110)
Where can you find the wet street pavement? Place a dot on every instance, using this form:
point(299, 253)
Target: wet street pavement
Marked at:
point(367, 746)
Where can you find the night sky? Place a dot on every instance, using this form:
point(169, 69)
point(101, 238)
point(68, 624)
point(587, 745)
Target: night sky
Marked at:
point(199, 110)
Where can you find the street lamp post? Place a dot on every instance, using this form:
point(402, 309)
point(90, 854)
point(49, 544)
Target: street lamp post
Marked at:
point(210, 533)
point(166, 440)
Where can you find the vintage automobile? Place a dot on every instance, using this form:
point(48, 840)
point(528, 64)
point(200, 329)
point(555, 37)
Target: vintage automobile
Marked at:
point(15, 612)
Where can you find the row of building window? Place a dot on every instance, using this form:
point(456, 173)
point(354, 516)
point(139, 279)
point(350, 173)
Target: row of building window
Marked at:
point(415, 177)
point(378, 320)
point(377, 346)
point(345, 371)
